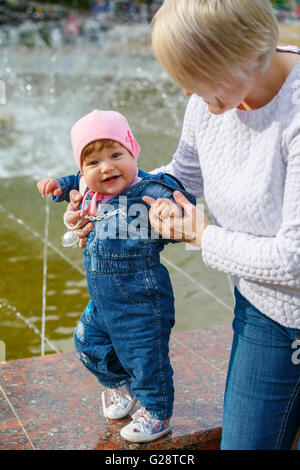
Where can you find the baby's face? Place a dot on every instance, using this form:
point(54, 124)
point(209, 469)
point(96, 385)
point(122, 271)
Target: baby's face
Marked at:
point(109, 170)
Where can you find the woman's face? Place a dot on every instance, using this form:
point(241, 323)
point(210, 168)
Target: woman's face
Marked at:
point(221, 98)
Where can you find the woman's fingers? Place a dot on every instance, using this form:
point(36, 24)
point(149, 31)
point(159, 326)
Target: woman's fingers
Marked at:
point(163, 214)
point(84, 229)
point(164, 211)
point(82, 242)
point(162, 208)
point(183, 202)
point(75, 200)
point(149, 200)
point(72, 217)
point(182, 221)
point(168, 209)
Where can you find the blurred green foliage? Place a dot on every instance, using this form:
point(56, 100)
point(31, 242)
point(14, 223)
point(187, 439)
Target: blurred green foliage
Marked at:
point(86, 4)
point(80, 4)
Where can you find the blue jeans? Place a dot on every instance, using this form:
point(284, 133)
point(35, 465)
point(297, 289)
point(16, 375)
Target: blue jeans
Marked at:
point(123, 334)
point(262, 395)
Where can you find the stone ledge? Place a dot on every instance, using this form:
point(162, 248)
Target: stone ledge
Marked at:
point(53, 402)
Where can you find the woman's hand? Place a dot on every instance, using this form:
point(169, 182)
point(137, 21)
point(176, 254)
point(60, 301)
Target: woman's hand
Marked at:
point(187, 226)
point(72, 217)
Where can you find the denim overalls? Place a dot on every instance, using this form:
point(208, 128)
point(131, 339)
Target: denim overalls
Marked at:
point(123, 334)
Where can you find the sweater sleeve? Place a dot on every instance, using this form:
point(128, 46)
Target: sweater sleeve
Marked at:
point(268, 260)
point(185, 163)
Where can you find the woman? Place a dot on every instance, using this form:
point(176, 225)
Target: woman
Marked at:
point(240, 150)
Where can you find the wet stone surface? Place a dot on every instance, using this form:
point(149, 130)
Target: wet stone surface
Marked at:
point(53, 402)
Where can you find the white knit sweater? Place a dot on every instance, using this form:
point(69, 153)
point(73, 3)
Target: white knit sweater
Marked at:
point(246, 164)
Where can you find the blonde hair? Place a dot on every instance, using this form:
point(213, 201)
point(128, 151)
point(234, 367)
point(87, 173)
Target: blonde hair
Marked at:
point(214, 40)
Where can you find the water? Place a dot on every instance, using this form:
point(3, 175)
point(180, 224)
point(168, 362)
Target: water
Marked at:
point(43, 291)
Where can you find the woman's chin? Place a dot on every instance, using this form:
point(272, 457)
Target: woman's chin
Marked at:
point(217, 110)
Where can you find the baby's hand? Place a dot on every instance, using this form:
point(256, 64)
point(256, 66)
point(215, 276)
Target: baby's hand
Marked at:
point(163, 208)
point(49, 186)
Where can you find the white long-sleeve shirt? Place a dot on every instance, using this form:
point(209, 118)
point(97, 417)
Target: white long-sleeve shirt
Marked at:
point(246, 164)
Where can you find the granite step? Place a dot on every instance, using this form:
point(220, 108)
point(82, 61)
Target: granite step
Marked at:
point(53, 402)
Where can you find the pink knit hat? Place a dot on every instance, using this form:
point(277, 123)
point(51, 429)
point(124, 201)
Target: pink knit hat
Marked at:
point(102, 125)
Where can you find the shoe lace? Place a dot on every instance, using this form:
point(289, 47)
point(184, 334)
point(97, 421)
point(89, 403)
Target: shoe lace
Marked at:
point(143, 417)
point(115, 395)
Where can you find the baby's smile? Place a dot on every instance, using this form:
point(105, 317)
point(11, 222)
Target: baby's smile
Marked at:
point(111, 179)
point(109, 169)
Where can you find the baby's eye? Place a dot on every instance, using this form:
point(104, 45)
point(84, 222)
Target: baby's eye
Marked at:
point(93, 162)
point(115, 155)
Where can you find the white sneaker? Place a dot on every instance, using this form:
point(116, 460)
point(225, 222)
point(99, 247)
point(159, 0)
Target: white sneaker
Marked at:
point(117, 402)
point(145, 427)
